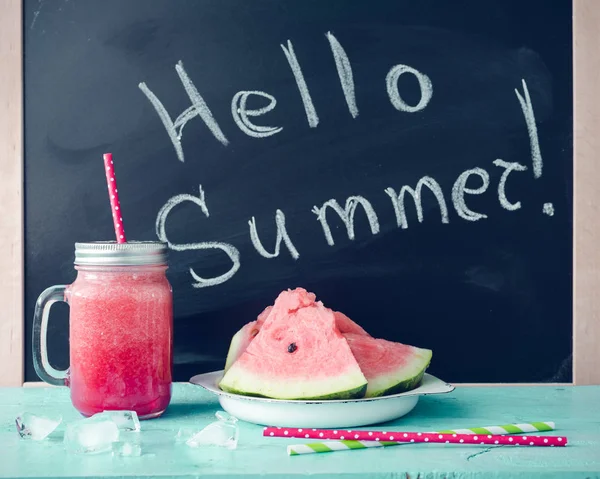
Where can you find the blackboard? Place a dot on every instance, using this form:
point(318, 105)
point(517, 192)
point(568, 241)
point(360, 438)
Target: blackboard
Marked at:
point(470, 97)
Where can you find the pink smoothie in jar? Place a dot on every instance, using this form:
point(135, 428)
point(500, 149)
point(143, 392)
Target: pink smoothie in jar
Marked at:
point(120, 329)
point(120, 339)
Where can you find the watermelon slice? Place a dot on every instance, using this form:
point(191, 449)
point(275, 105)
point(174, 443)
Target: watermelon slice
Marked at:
point(299, 354)
point(389, 367)
point(242, 338)
point(248, 332)
point(346, 325)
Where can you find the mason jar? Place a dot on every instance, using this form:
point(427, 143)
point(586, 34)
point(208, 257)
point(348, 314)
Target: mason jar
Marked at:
point(120, 329)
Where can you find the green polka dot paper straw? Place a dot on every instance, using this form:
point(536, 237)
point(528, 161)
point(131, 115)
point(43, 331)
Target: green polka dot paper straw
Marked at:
point(346, 444)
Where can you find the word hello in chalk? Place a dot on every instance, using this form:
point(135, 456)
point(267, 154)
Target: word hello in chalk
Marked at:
point(243, 119)
point(242, 115)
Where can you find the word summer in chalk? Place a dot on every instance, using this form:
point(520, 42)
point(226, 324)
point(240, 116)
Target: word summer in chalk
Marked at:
point(474, 181)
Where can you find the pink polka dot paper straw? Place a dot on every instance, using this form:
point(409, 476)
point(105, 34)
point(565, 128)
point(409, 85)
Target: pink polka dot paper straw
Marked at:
point(113, 194)
point(416, 437)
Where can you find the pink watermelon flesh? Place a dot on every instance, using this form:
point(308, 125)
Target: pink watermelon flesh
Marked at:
point(389, 367)
point(262, 316)
point(346, 325)
point(299, 354)
point(288, 302)
point(248, 332)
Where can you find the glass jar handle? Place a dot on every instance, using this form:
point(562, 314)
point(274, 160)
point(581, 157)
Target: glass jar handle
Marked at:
point(40, 330)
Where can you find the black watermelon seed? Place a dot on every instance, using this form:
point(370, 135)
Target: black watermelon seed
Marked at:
point(292, 347)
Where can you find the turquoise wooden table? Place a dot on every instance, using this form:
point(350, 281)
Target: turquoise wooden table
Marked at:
point(576, 411)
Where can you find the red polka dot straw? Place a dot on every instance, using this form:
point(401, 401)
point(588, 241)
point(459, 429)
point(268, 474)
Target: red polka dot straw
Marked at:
point(420, 437)
point(113, 194)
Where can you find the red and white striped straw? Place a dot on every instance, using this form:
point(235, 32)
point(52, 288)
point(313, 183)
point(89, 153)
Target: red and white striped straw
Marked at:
point(111, 181)
point(421, 437)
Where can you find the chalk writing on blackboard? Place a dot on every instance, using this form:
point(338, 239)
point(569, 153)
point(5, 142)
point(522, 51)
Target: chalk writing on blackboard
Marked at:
point(228, 249)
point(240, 114)
point(398, 200)
point(344, 69)
point(282, 235)
point(347, 216)
point(460, 188)
point(391, 81)
point(472, 182)
point(309, 108)
point(527, 107)
point(198, 108)
point(548, 209)
point(514, 166)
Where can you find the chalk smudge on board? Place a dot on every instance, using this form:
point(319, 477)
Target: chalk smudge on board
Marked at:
point(36, 13)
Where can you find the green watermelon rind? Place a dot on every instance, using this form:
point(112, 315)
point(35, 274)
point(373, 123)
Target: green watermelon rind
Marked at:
point(411, 378)
point(407, 379)
point(352, 384)
point(356, 393)
point(402, 386)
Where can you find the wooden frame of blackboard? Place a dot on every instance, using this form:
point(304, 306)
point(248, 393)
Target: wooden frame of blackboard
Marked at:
point(586, 200)
point(11, 195)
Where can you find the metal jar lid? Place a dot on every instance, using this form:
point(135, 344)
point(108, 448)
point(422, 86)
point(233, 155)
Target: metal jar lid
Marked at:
point(111, 253)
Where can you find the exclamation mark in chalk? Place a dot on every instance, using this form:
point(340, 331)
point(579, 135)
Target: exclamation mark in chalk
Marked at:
point(536, 153)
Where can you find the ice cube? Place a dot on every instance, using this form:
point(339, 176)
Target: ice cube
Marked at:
point(91, 435)
point(31, 426)
point(222, 433)
point(129, 444)
point(125, 420)
point(185, 433)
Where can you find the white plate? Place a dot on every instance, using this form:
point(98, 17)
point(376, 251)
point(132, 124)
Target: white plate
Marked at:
point(321, 414)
